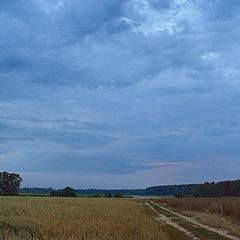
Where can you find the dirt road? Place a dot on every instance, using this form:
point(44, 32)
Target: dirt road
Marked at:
point(192, 228)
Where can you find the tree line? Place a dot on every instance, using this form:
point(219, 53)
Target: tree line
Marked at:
point(207, 189)
point(171, 190)
point(219, 189)
point(89, 192)
point(10, 186)
point(213, 189)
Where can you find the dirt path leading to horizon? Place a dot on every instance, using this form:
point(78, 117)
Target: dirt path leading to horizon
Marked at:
point(192, 228)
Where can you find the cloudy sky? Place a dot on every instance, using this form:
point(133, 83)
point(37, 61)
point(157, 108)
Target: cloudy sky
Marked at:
point(119, 93)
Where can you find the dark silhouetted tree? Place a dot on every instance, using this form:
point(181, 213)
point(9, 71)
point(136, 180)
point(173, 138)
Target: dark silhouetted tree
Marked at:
point(9, 183)
point(68, 192)
point(108, 195)
point(118, 195)
point(56, 193)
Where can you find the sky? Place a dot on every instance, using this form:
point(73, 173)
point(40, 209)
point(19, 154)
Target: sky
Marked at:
point(119, 93)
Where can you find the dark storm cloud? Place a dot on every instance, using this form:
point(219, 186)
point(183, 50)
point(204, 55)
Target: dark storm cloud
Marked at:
point(74, 162)
point(117, 87)
point(10, 133)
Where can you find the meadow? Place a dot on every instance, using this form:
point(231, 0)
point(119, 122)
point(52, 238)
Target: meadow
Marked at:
point(44, 218)
point(227, 206)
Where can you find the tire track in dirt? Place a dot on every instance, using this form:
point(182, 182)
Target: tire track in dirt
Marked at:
point(190, 220)
point(168, 221)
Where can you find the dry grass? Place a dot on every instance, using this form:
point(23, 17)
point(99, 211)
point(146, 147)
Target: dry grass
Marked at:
point(69, 219)
point(222, 206)
point(216, 221)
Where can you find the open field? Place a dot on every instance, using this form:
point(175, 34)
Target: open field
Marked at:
point(44, 218)
point(223, 206)
point(25, 218)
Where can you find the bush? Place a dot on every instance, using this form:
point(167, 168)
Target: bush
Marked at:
point(108, 195)
point(66, 192)
point(179, 195)
point(118, 195)
point(56, 193)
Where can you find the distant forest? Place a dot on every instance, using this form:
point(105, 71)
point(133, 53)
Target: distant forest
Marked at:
point(213, 189)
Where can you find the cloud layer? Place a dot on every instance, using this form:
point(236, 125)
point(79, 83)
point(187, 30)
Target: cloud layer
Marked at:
point(120, 90)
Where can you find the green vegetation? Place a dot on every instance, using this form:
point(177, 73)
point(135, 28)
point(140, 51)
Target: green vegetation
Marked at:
point(88, 192)
point(171, 190)
point(219, 189)
point(9, 183)
point(66, 192)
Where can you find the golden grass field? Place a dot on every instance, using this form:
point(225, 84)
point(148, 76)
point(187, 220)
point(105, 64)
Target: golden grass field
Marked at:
point(43, 218)
point(223, 206)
